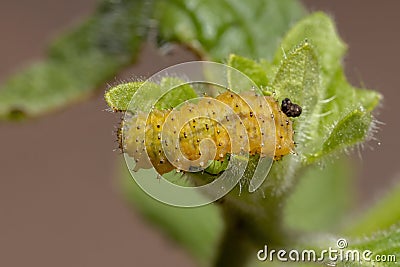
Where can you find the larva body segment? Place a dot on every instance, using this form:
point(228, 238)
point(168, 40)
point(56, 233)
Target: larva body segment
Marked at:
point(189, 137)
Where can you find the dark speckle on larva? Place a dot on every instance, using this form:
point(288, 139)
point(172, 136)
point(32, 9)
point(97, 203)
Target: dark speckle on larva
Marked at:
point(256, 120)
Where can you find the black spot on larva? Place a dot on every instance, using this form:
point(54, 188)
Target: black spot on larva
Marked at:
point(119, 138)
point(290, 109)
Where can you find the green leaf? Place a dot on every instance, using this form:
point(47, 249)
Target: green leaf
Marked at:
point(351, 130)
point(196, 229)
point(215, 29)
point(320, 199)
point(255, 71)
point(79, 61)
point(119, 97)
point(346, 97)
point(337, 98)
point(342, 100)
point(179, 92)
point(380, 216)
point(320, 31)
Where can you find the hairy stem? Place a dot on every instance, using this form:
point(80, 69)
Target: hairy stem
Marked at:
point(251, 222)
point(235, 247)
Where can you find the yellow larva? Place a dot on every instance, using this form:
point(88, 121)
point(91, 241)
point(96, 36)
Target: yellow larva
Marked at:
point(165, 139)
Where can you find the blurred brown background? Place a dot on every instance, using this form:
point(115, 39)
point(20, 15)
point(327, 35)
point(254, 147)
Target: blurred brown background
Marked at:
point(59, 200)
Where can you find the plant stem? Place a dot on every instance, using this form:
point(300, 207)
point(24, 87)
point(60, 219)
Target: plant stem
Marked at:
point(250, 226)
point(235, 247)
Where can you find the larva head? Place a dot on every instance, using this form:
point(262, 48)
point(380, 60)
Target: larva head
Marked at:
point(290, 109)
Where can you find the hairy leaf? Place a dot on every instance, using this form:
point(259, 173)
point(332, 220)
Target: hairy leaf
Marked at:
point(79, 61)
point(337, 98)
point(119, 97)
point(319, 30)
point(255, 71)
point(214, 29)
